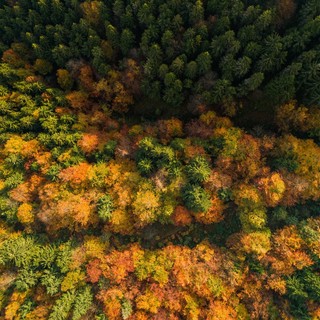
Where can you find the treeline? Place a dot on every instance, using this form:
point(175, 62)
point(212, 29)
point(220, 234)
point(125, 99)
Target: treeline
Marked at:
point(204, 52)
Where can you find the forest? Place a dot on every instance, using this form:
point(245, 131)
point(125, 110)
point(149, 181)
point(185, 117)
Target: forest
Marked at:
point(160, 160)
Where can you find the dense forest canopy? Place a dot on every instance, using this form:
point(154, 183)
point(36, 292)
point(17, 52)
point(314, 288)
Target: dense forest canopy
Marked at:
point(160, 160)
point(211, 52)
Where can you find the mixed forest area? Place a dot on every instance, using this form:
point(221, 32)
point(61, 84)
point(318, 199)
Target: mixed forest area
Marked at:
point(160, 160)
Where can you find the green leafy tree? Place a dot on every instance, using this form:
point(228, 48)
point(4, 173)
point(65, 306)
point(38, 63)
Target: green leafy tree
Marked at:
point(26, 279)
point(296, 289)
point(127, 40)
point(126, 309)
point(51, 282)
point(312, 284)
point(198, 170)
point(204, 62)
point(105, 207)
point(83, 302)
point(62, 306)
point(196, 198)
point(191, 70)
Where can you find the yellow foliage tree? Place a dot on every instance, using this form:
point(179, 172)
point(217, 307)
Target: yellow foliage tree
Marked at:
point(72, 280)
point(14, 145)
point(16, 299)
point(91, 11)
point(43, 66)
point(273, 188)
point(247, 196)
point(64, 79)
point(220, 310)
point(148, 302)
point(25, 213)
point(145, 206)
